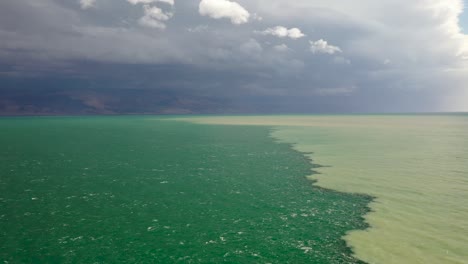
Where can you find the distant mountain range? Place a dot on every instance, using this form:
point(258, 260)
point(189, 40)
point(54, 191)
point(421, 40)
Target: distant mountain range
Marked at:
point(107, 102)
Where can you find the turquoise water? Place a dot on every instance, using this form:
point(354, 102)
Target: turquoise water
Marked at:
point(416, 167)
point(148, 190)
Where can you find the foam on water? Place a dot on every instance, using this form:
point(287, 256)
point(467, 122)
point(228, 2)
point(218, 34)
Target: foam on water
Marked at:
point(415, 166)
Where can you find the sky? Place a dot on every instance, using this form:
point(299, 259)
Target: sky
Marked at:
point(464, 18)
point(224, 56)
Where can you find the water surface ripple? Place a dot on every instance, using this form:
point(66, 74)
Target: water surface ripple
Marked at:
point(147, 190)
point(415, 165)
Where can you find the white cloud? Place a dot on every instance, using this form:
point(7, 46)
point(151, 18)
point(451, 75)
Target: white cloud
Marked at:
point(322, 46)
point(295, 33)
point(154, 17)
point(283, 32)
point(218, 9)
point(85, 4)
point(135, 2)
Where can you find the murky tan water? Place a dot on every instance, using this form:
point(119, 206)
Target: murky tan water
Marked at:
point(415, 166)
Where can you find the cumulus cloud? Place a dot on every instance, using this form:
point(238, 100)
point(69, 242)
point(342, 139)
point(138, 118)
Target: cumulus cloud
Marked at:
point(322, 46)
point(85, 4)
point(218, 9)
point(154, 17)
point(283, 32)
point(135, 2)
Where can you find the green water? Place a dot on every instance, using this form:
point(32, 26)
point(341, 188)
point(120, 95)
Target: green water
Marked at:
point(148, 190)
point(415, 166)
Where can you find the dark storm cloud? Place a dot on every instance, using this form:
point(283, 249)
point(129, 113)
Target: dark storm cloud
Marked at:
point(110, 55)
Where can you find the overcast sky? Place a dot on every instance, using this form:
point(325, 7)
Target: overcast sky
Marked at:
point(249, 55)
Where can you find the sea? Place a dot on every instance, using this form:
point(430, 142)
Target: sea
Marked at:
point(234, 189)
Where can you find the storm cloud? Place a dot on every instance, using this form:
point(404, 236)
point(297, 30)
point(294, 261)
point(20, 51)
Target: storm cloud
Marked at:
point(222, 56)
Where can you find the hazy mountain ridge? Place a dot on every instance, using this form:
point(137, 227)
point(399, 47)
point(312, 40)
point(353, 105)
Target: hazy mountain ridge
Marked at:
point(103, 102)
